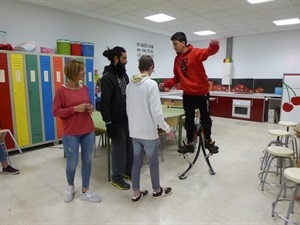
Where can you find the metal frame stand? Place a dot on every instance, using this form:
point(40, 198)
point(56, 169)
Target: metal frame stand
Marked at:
point(3, 134)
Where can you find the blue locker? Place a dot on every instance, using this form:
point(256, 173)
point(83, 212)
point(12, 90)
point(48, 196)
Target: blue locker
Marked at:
point(46, 81)
point(89, 78)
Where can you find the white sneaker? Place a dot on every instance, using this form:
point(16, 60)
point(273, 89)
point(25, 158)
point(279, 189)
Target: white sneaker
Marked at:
point(69, 193)
point(90, 196)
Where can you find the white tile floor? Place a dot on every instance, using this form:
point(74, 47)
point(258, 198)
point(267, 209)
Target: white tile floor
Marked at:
point(231, 196)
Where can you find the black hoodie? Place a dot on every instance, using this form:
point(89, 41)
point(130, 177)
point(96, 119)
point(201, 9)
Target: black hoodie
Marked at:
point(113, 95)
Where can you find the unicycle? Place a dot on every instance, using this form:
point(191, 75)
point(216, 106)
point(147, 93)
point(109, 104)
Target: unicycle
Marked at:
point(198, 145)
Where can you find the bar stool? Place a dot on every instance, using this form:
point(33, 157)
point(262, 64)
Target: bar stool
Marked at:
point(282, 154)
point(290, 138)
point(279, 134)
point(292, 175)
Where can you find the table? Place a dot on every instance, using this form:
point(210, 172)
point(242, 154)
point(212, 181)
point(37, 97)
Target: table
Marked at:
point(168, 112)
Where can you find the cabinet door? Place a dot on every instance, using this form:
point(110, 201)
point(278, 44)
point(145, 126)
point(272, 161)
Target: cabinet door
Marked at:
point(20, 102)
point(257, 110)
point(34, 99)
point(89, 77)
point(5, 100)
point(58, 82)
point(46, 80)
point(221, 106)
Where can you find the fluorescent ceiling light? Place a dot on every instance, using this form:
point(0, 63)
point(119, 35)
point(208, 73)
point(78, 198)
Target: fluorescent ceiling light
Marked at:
point(204, 32)
point(160, 18)
point(258, 1)
point(287, 22)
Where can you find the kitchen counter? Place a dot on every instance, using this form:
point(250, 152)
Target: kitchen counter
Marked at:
point(177, 95)
point(244, 95)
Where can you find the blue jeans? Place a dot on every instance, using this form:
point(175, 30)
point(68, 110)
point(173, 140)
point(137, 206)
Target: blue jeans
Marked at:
point(2, 155)
point(151, 149)
point(121, 154)
point(71, 148)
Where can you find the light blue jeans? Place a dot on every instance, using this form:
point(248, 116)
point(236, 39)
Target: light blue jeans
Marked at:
point(2, 155)
point(71, 148)
point(150, 147)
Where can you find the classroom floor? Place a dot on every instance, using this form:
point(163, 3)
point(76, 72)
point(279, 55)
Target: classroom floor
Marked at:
point(231, 196)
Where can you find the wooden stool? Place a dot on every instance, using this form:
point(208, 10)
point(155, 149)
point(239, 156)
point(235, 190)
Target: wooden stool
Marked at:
point(293, 175)
point(282, 154)
point(291, 138)
point(279, 134)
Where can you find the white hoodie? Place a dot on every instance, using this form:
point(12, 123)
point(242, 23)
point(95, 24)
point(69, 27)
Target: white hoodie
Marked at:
point(144, 109)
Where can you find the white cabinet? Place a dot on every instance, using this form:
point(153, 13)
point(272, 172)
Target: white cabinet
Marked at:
point(227, 73)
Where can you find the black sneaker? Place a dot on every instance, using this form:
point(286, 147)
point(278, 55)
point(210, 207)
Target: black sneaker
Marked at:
point(186, 148)
point(121, 184)
point(10, 170)
point(163, 192)
point(212, 148)
point(140, 197)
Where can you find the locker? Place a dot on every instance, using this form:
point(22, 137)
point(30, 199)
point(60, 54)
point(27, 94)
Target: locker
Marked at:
point(5, 100)
point(46, 83)
point(58, 82)
point(89, 79)
point(34, 100)
point(20, 106)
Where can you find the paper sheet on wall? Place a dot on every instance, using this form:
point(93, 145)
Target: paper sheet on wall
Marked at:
point(2, 76)
point(18, 76)
point(90, 76)
point(58, 76)
point(32, 76)
point(46, 76)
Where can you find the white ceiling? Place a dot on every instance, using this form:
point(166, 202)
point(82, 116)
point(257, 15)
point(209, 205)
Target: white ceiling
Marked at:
point(225, 17)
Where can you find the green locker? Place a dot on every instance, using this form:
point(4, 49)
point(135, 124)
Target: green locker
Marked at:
point(34, 98)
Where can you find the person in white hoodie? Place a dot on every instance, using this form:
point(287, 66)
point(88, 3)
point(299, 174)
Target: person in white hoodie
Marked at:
point(145, 115)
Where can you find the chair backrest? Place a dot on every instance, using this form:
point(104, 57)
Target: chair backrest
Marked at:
point(173, 122)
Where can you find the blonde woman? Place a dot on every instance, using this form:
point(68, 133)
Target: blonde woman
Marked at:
point(73, 105)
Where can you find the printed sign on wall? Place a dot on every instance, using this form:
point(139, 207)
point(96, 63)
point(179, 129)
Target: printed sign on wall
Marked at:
point(144, 49)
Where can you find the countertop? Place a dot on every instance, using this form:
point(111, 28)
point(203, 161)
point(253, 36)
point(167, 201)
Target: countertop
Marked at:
point(177, 95)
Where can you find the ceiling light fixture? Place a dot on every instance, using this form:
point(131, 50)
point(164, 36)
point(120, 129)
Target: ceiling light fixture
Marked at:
point(204, 32)
point(258, 1)
point(287, 22)
point(160, 18)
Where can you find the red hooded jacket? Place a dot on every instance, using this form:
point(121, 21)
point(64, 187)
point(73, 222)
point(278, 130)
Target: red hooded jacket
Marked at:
point(189, 70)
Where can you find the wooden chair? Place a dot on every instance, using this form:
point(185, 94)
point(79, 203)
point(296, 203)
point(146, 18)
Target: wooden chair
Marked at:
point(3, 134)
point(173, 122)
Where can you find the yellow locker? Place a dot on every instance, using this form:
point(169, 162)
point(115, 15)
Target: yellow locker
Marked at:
point(19, 93)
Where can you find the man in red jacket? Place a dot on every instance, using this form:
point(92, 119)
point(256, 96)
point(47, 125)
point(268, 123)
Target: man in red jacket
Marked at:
point(189, 71)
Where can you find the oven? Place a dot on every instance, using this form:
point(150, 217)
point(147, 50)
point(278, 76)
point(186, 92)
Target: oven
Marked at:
point(241, 108)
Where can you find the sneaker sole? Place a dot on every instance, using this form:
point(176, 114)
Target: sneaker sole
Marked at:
point(163, 195)
point(12, 173)
point(144, 196)
point(90, 199)
point(119, 187)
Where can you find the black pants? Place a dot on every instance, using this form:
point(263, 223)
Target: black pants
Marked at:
point(190, 103)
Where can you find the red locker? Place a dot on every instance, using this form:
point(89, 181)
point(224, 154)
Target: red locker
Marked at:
point(6, 116)
point(58, 82)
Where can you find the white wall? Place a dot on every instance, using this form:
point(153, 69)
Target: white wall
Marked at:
point(27, 22)
point(255, 56)
point(268, 55)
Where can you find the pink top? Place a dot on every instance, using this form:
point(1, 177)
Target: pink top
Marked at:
point(74, 123)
